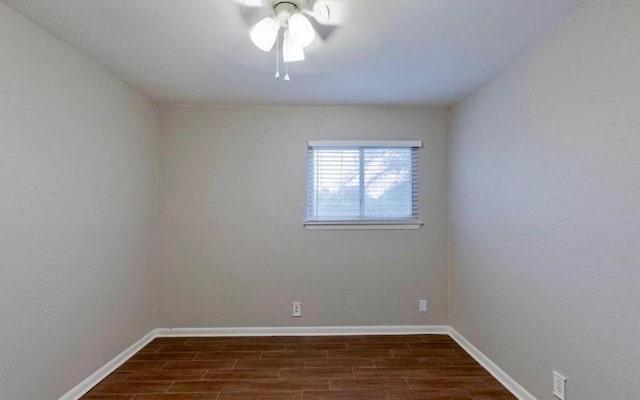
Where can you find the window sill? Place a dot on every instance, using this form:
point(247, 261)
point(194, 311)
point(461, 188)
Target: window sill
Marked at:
point(362, 225)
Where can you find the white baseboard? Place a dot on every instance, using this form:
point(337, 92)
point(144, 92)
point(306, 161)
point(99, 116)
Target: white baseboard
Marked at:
point(308, 331)
point(490, 366)
point(93, 379)
point(508, 382)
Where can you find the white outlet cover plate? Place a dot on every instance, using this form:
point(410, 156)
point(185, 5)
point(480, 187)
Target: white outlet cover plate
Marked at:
point(422, 306)
point(296, 309)
point(559, 383)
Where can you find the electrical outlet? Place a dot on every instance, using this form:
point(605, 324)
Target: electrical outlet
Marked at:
point(559, 384)
point(296, 310)
point(422, 306)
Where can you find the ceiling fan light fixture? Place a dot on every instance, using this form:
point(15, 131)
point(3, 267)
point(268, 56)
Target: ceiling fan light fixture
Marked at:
point(265, 33)
point(300, 30)
point(291, 51)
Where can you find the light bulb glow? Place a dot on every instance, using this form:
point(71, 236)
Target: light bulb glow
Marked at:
point(264, 34)
point(291, 51)
point(301, 30)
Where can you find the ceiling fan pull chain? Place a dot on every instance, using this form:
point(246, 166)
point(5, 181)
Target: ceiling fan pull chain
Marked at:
point(286, 75)
point(278, 57)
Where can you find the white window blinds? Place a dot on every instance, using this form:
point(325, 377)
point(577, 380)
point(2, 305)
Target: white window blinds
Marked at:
point(362, 181)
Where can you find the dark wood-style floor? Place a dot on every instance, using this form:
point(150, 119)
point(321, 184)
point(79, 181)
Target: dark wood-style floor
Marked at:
point(429, 367)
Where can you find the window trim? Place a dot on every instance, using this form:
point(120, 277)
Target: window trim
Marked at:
point(363, 225)
point(372, 224)
point(364, 143)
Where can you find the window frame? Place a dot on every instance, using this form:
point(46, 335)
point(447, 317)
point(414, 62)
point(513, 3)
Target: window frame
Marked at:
point(358, 224)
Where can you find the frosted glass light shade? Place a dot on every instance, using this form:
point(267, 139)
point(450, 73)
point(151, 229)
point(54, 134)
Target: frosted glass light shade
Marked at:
point(264, 34)
point(301, 30)
point(291, 51)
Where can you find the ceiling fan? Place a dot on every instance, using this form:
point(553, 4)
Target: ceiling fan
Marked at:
point(300, 22)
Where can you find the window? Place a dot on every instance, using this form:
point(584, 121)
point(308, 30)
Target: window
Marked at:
point(355, 184)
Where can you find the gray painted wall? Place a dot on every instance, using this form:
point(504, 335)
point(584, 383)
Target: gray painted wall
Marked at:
point(77, 194)
point(545, 187)
point(232, 247)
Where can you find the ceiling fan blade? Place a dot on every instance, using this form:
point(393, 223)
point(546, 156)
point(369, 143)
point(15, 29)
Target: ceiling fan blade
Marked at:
point(328, 12)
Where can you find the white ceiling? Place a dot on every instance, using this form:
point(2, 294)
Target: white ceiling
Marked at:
point(426, 52)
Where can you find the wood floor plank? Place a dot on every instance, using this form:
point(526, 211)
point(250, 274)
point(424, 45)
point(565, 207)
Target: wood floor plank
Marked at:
point(450, 352)
point(166, 375)
point(150, 348)
point(408, 362)
point(390, 367)
point(317, 346)
point(210, 364)
point(209, 386)
point(345, 395)
point(294, 354)
point(394, 339)
point(141, 365)
point(380, 346)
point(279, 395)
point(390, 372)
point(177, 396)
point(254, 347)
point(368, 383)
point(289, 384)
point(338, 362)
point(359, 354)
point(227, 355)
point(447, 394)
point(242, 374)
point(332, 372)
point(269, 364)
